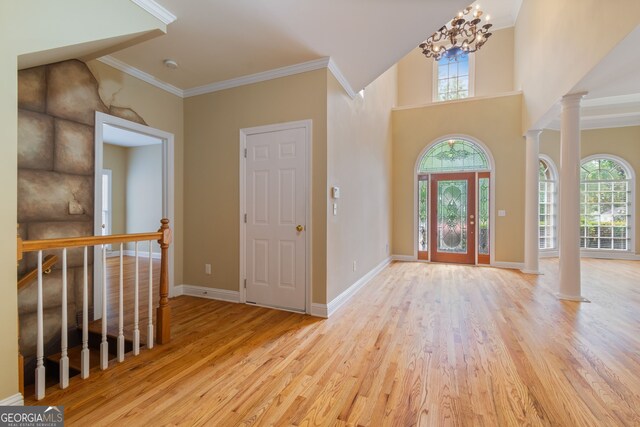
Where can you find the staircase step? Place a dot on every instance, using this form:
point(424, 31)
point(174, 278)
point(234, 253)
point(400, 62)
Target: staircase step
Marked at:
point(75, 359)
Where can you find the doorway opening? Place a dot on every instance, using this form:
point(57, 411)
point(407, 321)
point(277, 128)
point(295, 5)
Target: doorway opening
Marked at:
point(133, 189)
point(454, 202)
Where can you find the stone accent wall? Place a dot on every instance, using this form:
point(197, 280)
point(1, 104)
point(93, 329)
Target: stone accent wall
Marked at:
point(56, 128)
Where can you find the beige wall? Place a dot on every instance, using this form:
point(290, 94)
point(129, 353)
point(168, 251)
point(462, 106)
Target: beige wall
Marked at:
point(212, 129)
point(160, 110)
point(622, 142)
point(23, 31)
point(493, 71)
point(496, 123)
point(144, 190)
point(115, 159)
point(359, 162)
point(551, 39)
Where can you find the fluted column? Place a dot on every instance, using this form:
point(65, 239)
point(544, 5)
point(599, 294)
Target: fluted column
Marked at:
point(569, 187)
point(531, 216)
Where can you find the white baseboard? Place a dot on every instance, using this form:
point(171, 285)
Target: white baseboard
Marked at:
point(328, 309)
point(209, 293)
point(319, 310)
point(15, 400)
point(404, 258)
point(509, 265)
point(548, 254)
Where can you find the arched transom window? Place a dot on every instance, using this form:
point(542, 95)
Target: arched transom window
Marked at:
point(547, 205)
point(454, 155)
point(605, 185)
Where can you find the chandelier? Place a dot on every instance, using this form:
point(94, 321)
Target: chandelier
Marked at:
point(462, 35)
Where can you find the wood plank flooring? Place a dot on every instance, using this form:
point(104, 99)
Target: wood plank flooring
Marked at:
point(423, 344)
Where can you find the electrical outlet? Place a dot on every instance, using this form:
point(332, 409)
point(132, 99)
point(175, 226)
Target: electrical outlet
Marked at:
point(386, 248)
point(207, 269)
point(354, 266)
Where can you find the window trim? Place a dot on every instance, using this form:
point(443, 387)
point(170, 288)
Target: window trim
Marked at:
point(555, 178)
point(472, 80)
point(632, 206)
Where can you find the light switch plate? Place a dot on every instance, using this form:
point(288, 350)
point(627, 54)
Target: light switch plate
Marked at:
point(502, 212)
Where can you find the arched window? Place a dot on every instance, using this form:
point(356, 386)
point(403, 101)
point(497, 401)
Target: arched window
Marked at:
point(547, 204)
point(450, 156)
point(454, 155)
point(605, 211)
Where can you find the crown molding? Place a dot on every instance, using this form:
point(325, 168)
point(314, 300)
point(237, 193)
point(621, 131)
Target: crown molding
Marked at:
point(341, 78)
point(156, 10)
point(132, 71)
point(290, 70)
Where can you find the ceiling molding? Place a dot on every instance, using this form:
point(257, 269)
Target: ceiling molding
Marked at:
point(276, 73)
point(132, 71)
point(290, 70)
point(156, 10)
point(341, 78)
point(604, 121)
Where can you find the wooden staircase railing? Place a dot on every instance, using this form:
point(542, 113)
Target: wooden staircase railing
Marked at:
point(163, 312)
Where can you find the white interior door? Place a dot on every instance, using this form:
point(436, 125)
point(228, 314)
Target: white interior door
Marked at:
point(275, 218)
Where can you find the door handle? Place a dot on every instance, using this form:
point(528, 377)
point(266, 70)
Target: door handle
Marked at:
point(104, 226)
point(299, 228)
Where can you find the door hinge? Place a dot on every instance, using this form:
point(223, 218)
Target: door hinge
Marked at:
point(245, 153)
point(245, 218)
point(245, 283)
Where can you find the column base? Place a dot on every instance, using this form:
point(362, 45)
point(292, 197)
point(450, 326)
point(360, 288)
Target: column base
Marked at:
point(538, 272)
point(571, 298)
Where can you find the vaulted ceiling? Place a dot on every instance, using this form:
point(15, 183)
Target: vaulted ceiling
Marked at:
point(218, 40)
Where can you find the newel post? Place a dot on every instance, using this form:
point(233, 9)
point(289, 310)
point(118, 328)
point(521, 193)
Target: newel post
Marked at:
point(20, 356)
point(163, 331)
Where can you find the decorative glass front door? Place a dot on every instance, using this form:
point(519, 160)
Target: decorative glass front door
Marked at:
point(453, 208)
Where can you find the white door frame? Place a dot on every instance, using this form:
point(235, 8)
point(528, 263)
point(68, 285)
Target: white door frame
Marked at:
point(244, 133)
point(168, 182)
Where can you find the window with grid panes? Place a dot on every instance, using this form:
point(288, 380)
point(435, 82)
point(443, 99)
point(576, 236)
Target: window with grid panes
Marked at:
point(453, 78)
point(547, 207)
point(605, 207)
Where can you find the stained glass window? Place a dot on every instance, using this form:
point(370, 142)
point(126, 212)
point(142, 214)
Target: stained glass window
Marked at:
point(547, 207)
point(483, 216)
point(453, 77)
point(423, 192)
point(454, 155)
point(605, 207)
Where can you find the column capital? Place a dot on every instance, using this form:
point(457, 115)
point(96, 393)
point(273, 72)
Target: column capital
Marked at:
point(573, 99)
point(533, 133)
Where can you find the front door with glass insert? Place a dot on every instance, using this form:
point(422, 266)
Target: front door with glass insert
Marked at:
point(453, 200)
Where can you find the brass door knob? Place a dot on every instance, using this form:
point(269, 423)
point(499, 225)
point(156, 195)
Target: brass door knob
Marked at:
point(299, 228)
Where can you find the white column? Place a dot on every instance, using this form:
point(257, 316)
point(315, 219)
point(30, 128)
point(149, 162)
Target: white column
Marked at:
point(531, 194)
point(569, 187)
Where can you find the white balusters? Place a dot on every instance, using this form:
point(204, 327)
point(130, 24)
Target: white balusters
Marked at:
point(85, 319)
point(121, 308)
point(40, 379)
point(136, 315)
point(64, 358)
point(104, 345)
point(150, 327)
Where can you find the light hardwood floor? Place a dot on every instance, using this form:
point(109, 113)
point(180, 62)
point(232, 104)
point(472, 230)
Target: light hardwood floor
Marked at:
point(423, 344)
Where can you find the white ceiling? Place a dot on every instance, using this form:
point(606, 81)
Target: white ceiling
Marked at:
point(613, 89)
point(126, 138)
point(218, 40)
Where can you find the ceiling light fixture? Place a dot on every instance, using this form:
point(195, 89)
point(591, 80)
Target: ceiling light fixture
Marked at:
point(170, 63)
point(458, 37)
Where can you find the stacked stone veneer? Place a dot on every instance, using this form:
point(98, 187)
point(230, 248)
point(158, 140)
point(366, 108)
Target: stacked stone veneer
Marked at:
point(56, 127)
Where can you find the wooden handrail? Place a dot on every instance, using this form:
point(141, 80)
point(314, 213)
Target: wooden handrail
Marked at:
point(49, 261)
point(71, 242)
